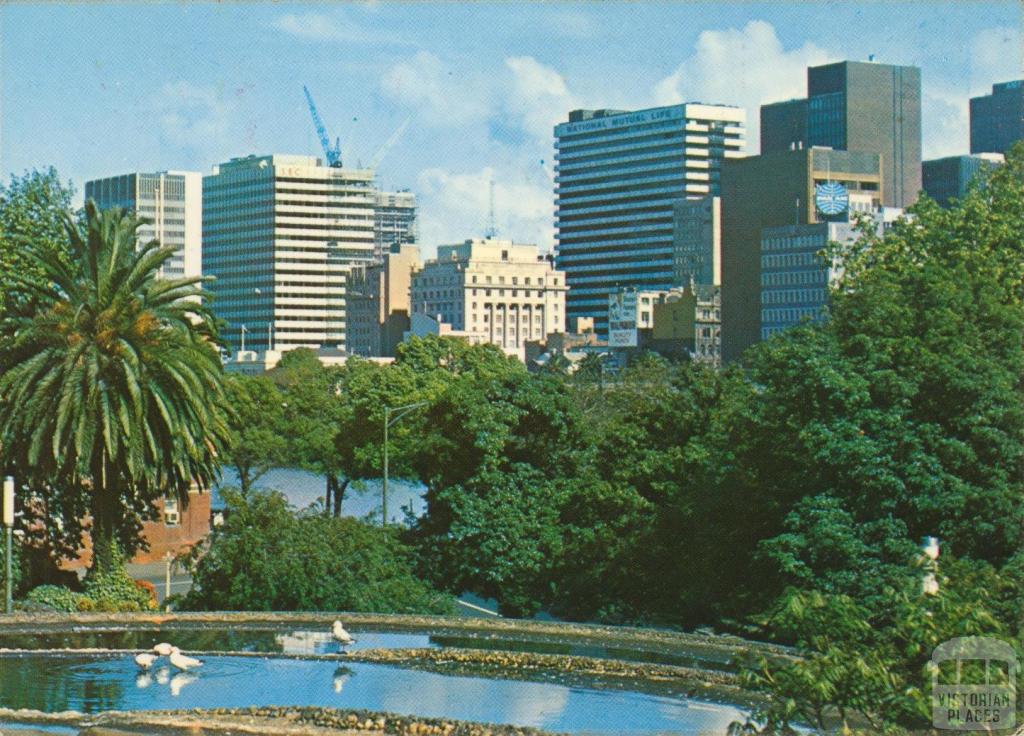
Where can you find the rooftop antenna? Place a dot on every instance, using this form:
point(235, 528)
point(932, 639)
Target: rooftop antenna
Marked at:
point(491, 230)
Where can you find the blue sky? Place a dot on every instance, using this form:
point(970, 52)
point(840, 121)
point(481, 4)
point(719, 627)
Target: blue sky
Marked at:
point(99, 89)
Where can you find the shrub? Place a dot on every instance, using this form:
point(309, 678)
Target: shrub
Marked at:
point(268, 557)
point(58, 598)
point(114, 590)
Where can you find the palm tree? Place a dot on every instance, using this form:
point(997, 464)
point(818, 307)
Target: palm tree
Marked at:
point(111, 386)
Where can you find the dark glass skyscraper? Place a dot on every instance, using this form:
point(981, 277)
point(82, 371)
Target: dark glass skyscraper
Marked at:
point(997, 120)
point(857, 106)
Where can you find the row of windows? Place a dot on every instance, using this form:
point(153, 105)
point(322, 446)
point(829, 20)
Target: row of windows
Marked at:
point(791, 315)
point(794, 278)
point(791, 260)
point(794, 296)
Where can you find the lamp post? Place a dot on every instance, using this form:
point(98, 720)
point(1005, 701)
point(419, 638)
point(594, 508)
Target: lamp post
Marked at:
point(398, 412)
point(9, 526)
point(930, 550)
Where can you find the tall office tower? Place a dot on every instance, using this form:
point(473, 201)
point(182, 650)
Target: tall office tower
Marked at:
point(618, 177)
point(997, 120)
point(697, 240)
point(797, 187)
point(378, 302)
point(173, 203)
point(857, 106)
point(394, 221)
point(947, 178)
point(280, 234)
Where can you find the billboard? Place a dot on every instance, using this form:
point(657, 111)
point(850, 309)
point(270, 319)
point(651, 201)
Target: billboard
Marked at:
point(622, 320)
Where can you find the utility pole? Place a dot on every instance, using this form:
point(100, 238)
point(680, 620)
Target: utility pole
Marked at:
point(8, 519)
point(398, 412)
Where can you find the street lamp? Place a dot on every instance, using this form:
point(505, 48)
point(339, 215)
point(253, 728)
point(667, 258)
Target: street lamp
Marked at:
point(9, 524)
point(930, 550)
point(398, 412)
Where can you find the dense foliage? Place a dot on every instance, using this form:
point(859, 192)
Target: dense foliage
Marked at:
point(110, 386)
point(267, 557)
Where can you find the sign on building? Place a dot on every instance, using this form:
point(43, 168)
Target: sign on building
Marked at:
point(622, 320)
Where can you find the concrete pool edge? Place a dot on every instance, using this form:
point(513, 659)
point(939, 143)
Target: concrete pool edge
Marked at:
point(723, 645)
point(294, 721)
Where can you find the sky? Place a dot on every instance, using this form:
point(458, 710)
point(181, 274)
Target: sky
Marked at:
point(465, 92)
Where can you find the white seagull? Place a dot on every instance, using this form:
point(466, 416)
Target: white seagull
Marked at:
point(182, 662)
point(145, 660)
point(163, 649)
point(340, 635)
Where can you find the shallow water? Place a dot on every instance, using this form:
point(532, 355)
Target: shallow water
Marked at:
point(311, 641)
point(92, 684)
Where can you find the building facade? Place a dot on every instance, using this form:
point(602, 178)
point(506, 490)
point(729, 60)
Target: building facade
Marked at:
point(280, 235)
point(618, 178)
point(505, 292)
point(774, 190)
point(797, 270)
point(697, 241)
point(997, 120)
point(172, 204)
point(944, 179)
point(857, 106)
point(688, 321)
point(394, 221)
point(378, 302)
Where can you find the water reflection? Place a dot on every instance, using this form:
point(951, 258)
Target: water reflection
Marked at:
point(51, 683)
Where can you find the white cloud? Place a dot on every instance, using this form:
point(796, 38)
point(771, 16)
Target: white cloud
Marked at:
point(455, 206)
point(192, 116)
point(443, 95)
point(335, 27)
point(746, 67)
point(944, 122)
point(538, 96)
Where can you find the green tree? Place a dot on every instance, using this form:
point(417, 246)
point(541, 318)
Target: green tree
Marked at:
point(257, 441)
point(33, 211)
point(267, 557)
point(111, 383)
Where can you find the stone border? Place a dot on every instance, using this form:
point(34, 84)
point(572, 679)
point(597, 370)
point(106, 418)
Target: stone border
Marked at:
point(263, 721)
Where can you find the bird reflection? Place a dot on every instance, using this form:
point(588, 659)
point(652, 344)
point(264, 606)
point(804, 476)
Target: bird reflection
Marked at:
point(163, 676)
point(341, 676)
point(143, 680)
point(179, 681)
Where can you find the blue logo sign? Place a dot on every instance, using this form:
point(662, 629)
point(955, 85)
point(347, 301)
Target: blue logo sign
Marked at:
point(831, 198)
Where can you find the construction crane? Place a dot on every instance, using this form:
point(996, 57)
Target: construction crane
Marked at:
point(333, 154)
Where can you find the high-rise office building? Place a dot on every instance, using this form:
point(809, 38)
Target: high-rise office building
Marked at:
point(772, 190)
point(697, 240)
point(997, 120)
point(172, 202)
point(947, 178)
point(377, 308)
point(857, 106)
point(618, 177)
point(394, 221)
point(797, 271)
point(280, 234)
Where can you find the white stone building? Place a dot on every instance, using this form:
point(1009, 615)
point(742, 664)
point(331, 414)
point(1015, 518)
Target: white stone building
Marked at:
point(505, 292)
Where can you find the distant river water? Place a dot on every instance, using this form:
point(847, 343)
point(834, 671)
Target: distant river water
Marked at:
point(362, 499)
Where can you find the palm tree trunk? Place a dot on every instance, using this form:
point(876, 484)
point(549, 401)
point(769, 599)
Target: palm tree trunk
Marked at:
point(104, 516)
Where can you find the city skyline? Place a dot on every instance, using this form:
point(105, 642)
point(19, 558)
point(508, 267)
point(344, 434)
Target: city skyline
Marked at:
point(481, 85)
